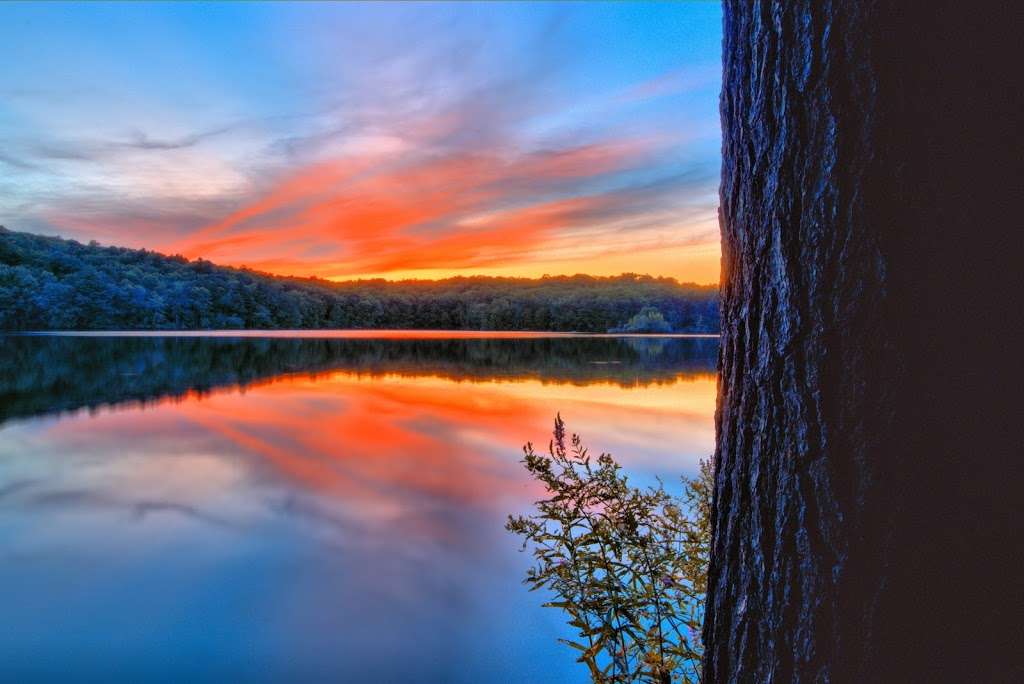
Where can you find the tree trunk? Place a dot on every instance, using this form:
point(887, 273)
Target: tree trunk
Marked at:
point(869, 457)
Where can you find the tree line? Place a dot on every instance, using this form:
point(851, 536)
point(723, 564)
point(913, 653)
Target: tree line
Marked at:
point(49, 283)
point(56, 373)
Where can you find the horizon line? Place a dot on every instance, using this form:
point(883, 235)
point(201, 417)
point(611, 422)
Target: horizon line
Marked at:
point(361, 279)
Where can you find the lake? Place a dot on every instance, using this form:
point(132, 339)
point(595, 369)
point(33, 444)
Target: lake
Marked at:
point(308, 506)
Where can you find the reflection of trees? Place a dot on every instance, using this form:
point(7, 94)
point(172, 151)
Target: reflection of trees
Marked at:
point(653, 347)
point(40, 375)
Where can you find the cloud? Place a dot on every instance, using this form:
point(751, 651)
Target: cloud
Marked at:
point(374, 214)
point(97, 150)
point(674, 82)
point(68, 151)
point(12, 488)
point(96, 500)
point(18, 163)
point(474, 148)
point(140, 140)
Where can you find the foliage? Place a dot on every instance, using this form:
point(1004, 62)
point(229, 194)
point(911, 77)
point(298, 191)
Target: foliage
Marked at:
point(47, 283)
point(45, 374)
point(629, 566)
point(649, 320)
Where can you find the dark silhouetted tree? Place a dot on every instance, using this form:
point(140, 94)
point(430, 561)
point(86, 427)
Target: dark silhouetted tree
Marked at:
point(867, 520)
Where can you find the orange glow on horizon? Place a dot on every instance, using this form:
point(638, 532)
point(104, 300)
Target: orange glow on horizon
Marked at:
point(688, 264)
point(378, 215)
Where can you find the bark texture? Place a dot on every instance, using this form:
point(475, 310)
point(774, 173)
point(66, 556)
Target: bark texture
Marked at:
point(869, 458)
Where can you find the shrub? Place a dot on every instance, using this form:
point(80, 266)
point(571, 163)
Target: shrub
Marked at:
point(628, 566)
point(649, 320)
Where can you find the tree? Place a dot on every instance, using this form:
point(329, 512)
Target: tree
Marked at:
point(869, 455)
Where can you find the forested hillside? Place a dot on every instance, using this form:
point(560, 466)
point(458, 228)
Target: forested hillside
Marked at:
point(48, 283)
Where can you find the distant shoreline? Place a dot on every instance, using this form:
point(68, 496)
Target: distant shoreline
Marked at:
point(382, 334)
point(60, 285)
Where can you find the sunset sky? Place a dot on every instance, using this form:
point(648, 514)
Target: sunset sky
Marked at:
point(363, 140)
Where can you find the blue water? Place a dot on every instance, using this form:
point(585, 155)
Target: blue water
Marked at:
point(297, 509)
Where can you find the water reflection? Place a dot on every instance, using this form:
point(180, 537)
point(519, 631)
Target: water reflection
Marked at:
point(296, 508)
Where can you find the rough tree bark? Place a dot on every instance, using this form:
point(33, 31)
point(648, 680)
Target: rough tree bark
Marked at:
point(870, 428)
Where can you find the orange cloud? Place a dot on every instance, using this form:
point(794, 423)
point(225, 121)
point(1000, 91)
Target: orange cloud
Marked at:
point(376, 213)
point(382, 447)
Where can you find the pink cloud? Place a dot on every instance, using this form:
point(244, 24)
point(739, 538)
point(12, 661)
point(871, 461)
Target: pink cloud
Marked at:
point(374, 214)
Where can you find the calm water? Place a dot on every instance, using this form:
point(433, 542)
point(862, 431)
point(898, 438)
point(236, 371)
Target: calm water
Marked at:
point(300, 508)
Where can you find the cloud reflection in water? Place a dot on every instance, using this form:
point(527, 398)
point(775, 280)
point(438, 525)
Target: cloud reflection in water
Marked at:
point(338, 514)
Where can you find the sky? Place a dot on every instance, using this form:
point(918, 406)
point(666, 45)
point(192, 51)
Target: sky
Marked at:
point(398, 140)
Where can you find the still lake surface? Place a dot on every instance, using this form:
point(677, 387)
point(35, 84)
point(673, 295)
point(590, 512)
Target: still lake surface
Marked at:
point(307, 506)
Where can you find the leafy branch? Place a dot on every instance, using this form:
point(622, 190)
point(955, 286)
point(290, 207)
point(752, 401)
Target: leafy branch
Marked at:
point(628, 565)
